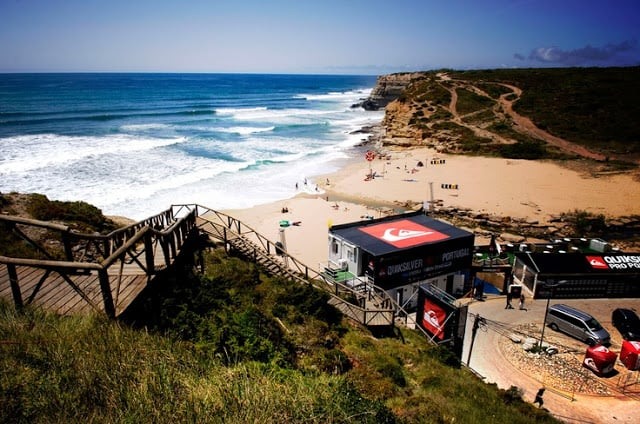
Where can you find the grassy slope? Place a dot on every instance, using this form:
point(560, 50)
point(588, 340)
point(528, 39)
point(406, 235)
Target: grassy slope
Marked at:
point(234, 346)
point(594, 107)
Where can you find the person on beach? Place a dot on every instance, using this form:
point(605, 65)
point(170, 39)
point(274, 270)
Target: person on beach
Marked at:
point(508, 305)
point(521, 305)
point(538, 398)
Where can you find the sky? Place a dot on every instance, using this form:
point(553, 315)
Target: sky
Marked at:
point(370, 37)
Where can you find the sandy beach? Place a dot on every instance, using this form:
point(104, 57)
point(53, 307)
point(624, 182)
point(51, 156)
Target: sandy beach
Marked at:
point(504, 187)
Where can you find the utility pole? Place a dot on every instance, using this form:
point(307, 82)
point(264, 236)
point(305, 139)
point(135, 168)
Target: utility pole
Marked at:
point(474, 330)
point(283, 240)
point(550, 288)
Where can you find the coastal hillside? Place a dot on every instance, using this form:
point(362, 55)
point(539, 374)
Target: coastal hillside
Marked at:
point(234, 345)
point(516, 113)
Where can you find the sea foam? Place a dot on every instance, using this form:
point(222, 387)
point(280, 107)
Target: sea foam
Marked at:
point(148, 142)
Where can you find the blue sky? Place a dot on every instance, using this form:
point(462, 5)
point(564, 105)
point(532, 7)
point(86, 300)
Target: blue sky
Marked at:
point(320, 36)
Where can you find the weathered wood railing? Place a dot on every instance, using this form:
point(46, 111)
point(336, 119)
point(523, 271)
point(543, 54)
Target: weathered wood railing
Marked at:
point(370, 307)
point(142, 248)
point(150, 245)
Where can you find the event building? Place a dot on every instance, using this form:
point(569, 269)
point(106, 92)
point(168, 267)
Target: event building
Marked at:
point(401, 252)
point(589, 274)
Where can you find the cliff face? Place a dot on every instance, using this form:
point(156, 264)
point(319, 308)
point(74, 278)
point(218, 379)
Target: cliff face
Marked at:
point(390, 93)
point(397, 125)
point(423, 109)
point(389, 88)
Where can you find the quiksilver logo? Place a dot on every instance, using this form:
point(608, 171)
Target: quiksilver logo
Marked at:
point(597, 262)
point(401, 234)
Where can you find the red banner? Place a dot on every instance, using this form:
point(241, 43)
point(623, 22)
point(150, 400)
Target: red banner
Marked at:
point(433, 319)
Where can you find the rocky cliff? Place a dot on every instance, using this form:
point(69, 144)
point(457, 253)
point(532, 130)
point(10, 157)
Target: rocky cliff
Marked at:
point(387, 89)
point(390, 93)
point(489, 113)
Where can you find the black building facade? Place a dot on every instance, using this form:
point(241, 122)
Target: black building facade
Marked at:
point(578, 275)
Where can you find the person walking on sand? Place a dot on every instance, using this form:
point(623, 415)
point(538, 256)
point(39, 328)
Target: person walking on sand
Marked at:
point(521, 305)
point(538, 399)
point(509, 305)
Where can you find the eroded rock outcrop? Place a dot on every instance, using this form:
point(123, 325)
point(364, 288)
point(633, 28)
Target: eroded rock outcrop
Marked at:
point(387, 89)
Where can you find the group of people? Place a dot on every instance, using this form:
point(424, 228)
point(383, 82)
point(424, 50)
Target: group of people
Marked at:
point(520, 303)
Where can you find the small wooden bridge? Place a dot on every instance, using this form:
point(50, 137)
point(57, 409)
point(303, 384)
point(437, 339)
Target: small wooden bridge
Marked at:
point(106, 273)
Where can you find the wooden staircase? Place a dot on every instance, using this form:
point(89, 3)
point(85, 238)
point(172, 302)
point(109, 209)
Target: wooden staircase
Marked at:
point(105, 273)
point(368, 305)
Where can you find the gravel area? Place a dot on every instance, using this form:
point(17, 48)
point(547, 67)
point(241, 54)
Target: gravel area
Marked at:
point(562, 371)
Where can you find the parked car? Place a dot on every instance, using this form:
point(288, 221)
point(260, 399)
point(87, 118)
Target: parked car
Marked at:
point(578, 324)
point(627, 323)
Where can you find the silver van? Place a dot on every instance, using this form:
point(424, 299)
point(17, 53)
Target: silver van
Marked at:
point(578, 324)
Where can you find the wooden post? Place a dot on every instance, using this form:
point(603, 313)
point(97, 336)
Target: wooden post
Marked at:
point(149, 253)
point(474, 330)
point(283, 240)
point(172, 243)
point(15, 287)
point(67, 246)
point(431, 200)
point(165, 250)
point(107, 298)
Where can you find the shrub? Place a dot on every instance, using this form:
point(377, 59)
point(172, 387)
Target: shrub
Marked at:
point(40, 207)
point(524, 150)
point(333, 361)
point(585, 223)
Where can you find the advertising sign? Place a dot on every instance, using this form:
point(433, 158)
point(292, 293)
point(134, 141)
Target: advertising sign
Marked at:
point(420, 264)
point(435, 315)
point(614, 262)
point(404, 233)
point(599, 359)
point(630, 354)
point(434, 318)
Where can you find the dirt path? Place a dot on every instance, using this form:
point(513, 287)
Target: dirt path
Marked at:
point(457, 118)
point(522, 124)
point(525, 125)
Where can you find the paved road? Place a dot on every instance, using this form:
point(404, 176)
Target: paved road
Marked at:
point(488, 361)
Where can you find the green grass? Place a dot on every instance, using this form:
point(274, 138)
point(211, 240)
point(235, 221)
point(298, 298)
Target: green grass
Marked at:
point(493, 90)
point(427, 90)
point(81, 215)
point(595, 107)
point(234, 346)
point(468, 142)
point(469, 102)
point(89, 370)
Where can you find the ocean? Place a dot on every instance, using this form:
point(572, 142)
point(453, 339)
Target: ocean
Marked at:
point(134, 144)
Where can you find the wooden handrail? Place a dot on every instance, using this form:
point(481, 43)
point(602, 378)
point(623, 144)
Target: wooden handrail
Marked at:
point(123, 249)
point(38, 263)
point(232, 226)
point(34, 222)
point(117, 245)
point(172, 235)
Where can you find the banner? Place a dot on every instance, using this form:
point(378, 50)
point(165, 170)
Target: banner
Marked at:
point(433, 319)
